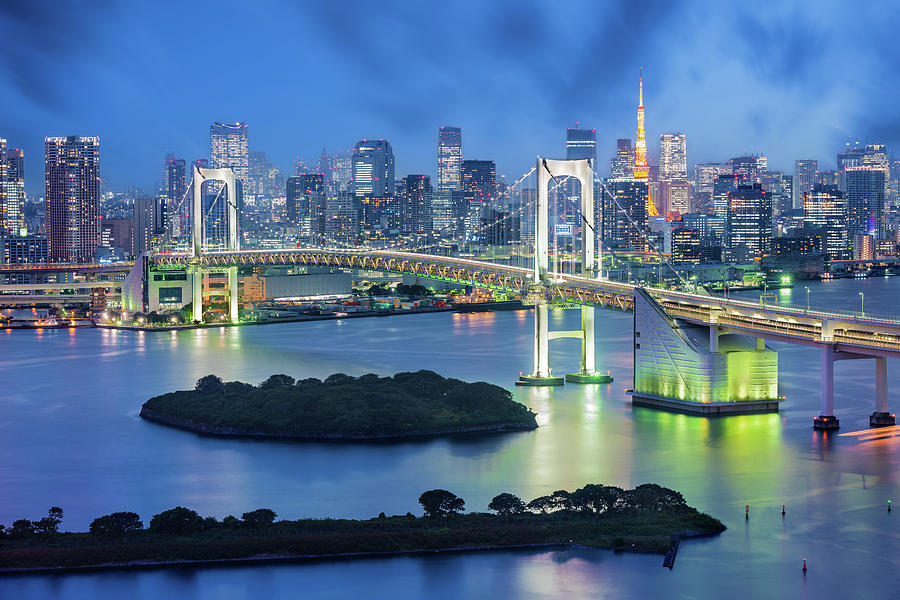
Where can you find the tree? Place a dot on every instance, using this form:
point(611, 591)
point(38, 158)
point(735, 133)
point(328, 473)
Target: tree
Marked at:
point(562, 500)
point(650, 496)
point(597, 498)
point(116, 525)
point(210, 384)
point(231, 522)
point(440, 503)
point(238, 387)
point(378, 290)
point(21, 529)
point(506, 504)
point(542, 504)
point(277, 381)
point(50, 523)
point(176, 521)
point(261, 517)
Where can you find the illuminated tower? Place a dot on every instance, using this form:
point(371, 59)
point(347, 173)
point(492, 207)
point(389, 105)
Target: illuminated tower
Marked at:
point(641, 170)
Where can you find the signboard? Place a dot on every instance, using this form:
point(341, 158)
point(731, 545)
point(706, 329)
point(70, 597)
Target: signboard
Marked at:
point(564, 230)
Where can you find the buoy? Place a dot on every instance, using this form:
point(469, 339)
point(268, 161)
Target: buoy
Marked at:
point(782, 510)
point(804, 565)
point(889, 506)
point(746, 511)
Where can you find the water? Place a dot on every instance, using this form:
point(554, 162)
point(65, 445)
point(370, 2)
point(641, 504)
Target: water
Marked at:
point(70, 435)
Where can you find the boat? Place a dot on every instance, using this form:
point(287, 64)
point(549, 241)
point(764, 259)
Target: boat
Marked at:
point(467, 307)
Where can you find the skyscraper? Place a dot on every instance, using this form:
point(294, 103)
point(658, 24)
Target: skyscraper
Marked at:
point(702, 186)
point(864, 187)
point(228, 148)
point(624, 216)
point(175, 212)
point(415, 204)
point(749, 168)
point(12, 190)
point(622, 164)
point(373, 168)
point(72, 192)
point(581, 144)
point(672, 156)
point(305, 200)
point(449, 158)
point(749, 223)
point(824, 208)
point(804, 180)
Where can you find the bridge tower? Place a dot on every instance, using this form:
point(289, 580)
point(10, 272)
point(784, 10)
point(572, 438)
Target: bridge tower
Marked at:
point(547, 170)
point(228, 177)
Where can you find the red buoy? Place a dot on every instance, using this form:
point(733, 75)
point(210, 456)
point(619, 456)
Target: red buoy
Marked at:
point(804, 565)
point(782, 510)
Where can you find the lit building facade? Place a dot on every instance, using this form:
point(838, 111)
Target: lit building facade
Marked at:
point(864, 189)
point(622, 164)
point(415, 204)
point(805, 172)
point(581, 144)
point(228, 147)
point(624, 214)
point(824, 208)
point(373, 168)
point(673, 156)
point(72, 194)
point(749, 223)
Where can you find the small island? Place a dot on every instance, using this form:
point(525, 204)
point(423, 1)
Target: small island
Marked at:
point(648, 518)
point(341, 408)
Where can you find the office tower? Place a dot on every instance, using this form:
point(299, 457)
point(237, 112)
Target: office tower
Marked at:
point(624, 214)
point(686, 246)
point(674, 196)
point(749, 223)
point(581, 143)
point(804, 179)
point(721, 186)
point(118, 234)
point(24, 250)
point(228, 148)
point(148, 217)
point(622, 164)
point(305, 199)
point(825, 208)
point(373, 168)
point(449, 158)
point(749, 168)
point(479, 178)
point(780, 186)
point(176, 210)
point(342, 218)
point(702, 186)
point(72, 193)
point(12, 190)
point(864, 191)
point(257, 174)
point(672, 156)
point(415, 204)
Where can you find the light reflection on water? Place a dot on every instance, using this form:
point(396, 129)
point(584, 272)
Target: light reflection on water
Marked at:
point(70, 435)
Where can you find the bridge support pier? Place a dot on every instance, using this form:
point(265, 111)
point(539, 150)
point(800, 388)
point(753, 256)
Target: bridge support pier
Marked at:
point(826, 419)
point(233, 294)
point(881, 417)
point(540, 375)
point(588, 373)
point(197, 293)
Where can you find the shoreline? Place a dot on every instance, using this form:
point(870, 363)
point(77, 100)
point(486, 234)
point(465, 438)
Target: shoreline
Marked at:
point(313, 436)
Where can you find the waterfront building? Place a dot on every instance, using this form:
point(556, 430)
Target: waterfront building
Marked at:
point(825, 208)
point(622, 164)
point(415, 204)
point(749, 223)
point(864, 190)
point(863, 247)
point(805, 172)
point(72, 195)
point(373, 168)
point(12, 190)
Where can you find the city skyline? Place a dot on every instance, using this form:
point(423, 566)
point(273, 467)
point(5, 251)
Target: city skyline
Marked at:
point(736, 105)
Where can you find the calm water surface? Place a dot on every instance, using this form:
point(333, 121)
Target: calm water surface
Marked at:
point(70, 435)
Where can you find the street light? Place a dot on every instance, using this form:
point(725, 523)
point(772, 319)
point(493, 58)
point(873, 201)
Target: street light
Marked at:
point(862, 305)
point(807, 299)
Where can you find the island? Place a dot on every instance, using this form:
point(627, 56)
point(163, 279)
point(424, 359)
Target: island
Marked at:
point(648, 518)
point(341, 408)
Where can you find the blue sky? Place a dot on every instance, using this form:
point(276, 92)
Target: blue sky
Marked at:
point(792, 80)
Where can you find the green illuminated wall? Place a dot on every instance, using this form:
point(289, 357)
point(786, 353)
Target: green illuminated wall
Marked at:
point(672, 360)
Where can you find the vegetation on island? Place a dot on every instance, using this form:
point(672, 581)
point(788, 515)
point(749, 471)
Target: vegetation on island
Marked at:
point(341, 407)
point(646, 518)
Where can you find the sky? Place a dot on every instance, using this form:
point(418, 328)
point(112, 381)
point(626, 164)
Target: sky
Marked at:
point(792, 80)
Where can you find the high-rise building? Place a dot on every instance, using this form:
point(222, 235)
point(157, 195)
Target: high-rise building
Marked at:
point(342, 218)
point(479, 179)
point(749, 168)
point(622, 164)
point(12, 190)
point(581, 144)
point(373, 168)
point(686, 246)
point(672, 156)
point(624, 214)
point(749, 223)
point(865, 194)
point(228, 148)
point(305, 205)
point(804, 179)
point(449, 158)
point(72, 193)
point(702, 186)
point(415, 204)
point(722, 185)
point(24, 250)
point(825, 208)
point(148, 222)
point(780, 186)
point(175, 211)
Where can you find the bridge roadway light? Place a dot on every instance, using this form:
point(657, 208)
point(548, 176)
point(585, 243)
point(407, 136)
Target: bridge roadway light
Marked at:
point(862, 305)
point(807, 298)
